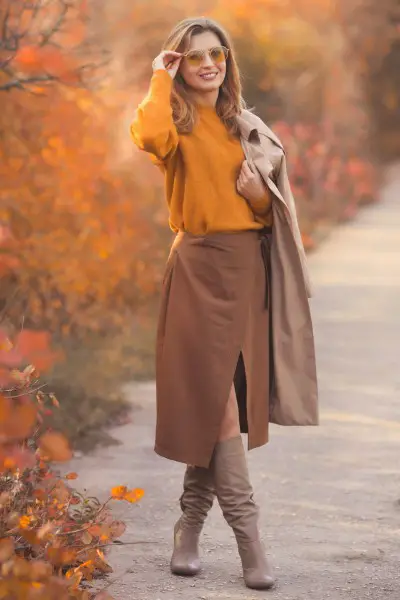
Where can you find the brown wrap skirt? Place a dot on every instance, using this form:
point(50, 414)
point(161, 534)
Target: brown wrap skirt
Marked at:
point(213, 330)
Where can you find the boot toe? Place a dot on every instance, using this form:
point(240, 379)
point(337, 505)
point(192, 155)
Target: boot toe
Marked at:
point(258, 581)
point(185, 567)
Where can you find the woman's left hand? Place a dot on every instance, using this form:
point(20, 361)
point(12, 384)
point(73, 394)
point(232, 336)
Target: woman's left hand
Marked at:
point(251, 185)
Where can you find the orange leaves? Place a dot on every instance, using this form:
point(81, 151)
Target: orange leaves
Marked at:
point(6, 549)
point(121, 492)
point(36, 348)
point(16, 419)
point(36, 60)
point(29, 346)
point(88, 568)
point(59, 556)
point(134, 495)
point(25, 521)
point(107, 531)
point(40, 570)
point(28, 57)
point(54, 447)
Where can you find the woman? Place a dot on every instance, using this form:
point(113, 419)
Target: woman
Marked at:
point(235, 346)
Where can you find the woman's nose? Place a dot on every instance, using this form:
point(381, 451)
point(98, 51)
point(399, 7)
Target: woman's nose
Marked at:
point(207, 61)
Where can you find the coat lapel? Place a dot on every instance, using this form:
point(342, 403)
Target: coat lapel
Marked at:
point(251, 125)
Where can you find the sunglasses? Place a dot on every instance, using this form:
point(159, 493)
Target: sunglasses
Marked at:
point(195, 58)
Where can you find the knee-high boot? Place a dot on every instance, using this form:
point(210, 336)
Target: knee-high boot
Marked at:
point(196, 501)
point(235, 496)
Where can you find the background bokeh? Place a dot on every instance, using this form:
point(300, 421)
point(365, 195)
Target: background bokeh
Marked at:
point(83, 222)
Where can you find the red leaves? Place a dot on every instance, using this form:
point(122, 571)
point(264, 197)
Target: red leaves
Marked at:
point(35, 347)
point(30, 347)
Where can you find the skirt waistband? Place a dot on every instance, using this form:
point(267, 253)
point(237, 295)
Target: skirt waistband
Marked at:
point(264, 235)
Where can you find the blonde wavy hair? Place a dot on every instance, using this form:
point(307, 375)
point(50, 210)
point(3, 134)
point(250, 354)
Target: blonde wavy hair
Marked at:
point(230, 101)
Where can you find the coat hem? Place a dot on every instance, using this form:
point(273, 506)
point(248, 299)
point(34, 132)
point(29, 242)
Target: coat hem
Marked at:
point(173, 456)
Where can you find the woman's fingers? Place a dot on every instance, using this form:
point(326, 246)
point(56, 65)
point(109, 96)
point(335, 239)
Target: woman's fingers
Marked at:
point(168, 60)
point(246, 169)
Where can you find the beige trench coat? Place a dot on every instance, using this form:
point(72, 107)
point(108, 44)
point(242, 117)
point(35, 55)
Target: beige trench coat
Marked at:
point(295, 396)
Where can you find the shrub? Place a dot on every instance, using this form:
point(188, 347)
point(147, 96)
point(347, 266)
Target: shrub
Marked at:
point(52, 538)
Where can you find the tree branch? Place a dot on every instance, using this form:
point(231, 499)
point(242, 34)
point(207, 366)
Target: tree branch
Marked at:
point(22, 83)
point(33, 25)
point(46, 36)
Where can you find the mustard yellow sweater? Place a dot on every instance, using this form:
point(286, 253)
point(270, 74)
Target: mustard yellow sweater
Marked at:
point(201, 168)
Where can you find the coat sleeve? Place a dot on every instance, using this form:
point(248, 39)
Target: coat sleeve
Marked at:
point(153, 129)
point(283, 185)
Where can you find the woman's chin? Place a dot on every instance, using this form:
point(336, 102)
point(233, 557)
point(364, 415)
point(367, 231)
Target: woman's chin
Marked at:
point(206, 87)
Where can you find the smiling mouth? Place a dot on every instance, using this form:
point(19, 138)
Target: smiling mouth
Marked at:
point(209, 76)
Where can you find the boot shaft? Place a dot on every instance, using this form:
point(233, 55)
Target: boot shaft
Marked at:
point(234, 490)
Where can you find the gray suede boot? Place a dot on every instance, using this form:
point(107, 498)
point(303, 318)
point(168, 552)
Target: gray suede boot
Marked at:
point(235, 496)
point(196, 501)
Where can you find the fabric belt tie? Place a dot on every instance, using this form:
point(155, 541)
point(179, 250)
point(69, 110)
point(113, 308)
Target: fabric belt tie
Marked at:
point(265, 239)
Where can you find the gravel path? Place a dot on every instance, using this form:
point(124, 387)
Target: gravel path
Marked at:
point(329, 495)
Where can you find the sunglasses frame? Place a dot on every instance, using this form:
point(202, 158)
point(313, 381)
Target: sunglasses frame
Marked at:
point(209, 50)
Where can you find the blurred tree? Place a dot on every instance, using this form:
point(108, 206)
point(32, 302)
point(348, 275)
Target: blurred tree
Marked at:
point(82, 212)
point(373, 33)
point(67, 215)
point(45, 41)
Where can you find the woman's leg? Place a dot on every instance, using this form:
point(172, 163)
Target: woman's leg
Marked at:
point(235, 496)
point(230, 424)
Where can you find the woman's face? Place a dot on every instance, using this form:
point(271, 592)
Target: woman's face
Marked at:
point(209, 75)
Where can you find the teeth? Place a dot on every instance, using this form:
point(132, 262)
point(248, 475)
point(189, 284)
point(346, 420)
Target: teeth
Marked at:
point(209, 76)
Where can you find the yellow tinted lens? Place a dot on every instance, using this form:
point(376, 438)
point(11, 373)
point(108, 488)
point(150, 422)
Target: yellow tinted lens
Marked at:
point(195, 57)
point(218, 54)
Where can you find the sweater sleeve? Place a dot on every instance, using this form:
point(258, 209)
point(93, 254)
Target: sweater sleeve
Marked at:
point(153, 128)
point(262, 207)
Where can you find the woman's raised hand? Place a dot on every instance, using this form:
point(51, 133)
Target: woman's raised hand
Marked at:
point(168, 61)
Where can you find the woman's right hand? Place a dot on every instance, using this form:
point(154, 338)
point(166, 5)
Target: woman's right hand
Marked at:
point(168, 61)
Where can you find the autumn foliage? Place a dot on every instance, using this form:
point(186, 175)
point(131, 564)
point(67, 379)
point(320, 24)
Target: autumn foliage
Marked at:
point(52, 538)
point(83, 224)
